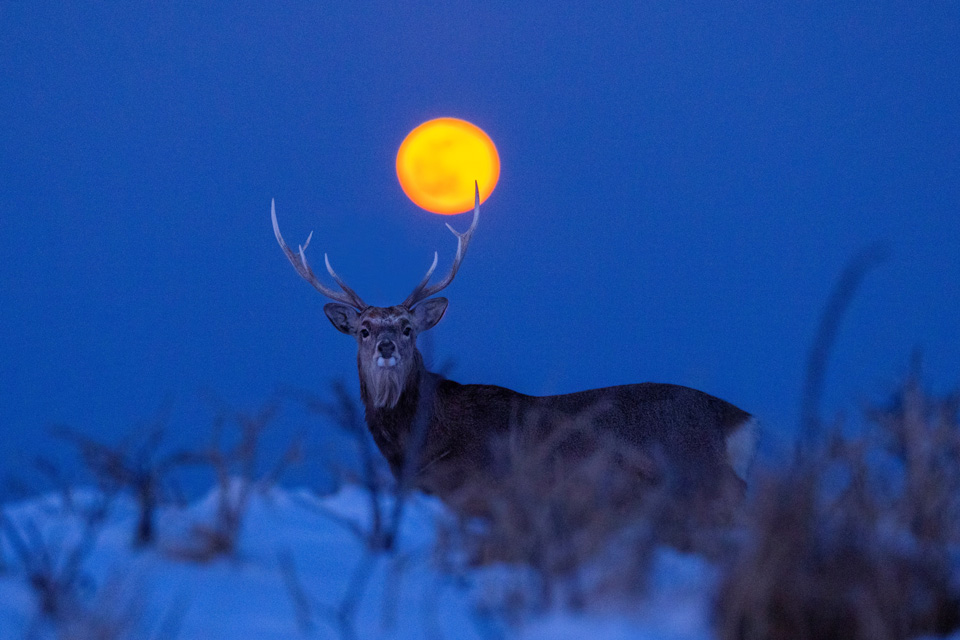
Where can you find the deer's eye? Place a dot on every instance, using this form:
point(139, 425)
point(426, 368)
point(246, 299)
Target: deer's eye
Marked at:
point(364, 334)
point(407, 331)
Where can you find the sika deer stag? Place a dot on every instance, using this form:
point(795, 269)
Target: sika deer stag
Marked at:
point(450, 427)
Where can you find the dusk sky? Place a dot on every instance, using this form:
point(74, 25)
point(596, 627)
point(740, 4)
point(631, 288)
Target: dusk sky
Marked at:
point(681, 185)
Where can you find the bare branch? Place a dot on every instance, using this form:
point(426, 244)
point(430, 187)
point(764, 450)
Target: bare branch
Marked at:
point(237, 477)
point(52, 565)
point(137, 469)
point(298, 596)
point(347, 415)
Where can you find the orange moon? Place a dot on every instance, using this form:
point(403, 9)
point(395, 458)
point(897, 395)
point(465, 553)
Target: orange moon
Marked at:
point(439, 160)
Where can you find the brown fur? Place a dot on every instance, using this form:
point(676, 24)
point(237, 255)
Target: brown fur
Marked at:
point(686, 426)
point(690, 429)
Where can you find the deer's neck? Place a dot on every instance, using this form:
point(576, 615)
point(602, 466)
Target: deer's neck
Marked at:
point(397, 429)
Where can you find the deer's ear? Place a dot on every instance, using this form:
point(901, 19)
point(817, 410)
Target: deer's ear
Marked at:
point(429, 312)
point(343, 317)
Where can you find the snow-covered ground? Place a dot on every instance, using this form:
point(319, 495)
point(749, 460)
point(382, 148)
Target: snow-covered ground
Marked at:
point(297, 560)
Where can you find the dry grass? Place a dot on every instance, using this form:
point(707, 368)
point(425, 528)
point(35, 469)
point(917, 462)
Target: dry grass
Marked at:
point(53, 565)
point(70, 605)
point(858, 539)
point(583, 511)
point(234, 457)
point(923, 435)
point(372, 472)
point(135, 466)
point(854, 541)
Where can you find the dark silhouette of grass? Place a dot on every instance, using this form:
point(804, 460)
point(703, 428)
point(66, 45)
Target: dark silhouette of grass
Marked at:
point(135, 466)
point(838, 546)
point(234, 457)
point(827, 330)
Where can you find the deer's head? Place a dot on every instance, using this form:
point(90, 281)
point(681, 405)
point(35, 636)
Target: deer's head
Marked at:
point(387, 354)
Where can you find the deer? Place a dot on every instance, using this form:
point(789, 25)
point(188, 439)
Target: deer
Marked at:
point(437, 434)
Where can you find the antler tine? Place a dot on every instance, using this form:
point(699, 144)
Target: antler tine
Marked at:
point(426, 278)
point(299, 262)
point(343, 285)
point(422, 291)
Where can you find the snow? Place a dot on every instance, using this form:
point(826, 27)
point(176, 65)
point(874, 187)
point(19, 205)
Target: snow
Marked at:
point(676, 607)
point(152, 593)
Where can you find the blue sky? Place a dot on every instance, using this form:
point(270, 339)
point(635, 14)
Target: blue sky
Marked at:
point(681, 184)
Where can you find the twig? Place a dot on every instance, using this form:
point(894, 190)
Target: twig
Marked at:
point(235, 470)
point(827, 330)
point(346, 414)
point(54, 575)
point(395, 569)
point(344, 614)
point(131, 466)
point(384, 531)
point(301, 603)
point(172, 621)
point(411, 460)
point(350, 525)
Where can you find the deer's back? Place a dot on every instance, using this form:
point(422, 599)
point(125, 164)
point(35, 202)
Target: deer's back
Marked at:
point(684, 421)
point(686, 424)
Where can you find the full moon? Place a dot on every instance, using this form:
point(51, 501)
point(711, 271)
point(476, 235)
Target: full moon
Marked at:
point(439, 160)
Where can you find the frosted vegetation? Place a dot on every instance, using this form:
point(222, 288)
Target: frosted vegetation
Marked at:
point(859, 537)
point(856, 535)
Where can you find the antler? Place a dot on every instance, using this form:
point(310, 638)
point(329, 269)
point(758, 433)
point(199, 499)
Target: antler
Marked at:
point(299, 262)
point(422, 291)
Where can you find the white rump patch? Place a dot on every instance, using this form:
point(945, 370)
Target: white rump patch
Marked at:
point(742, 445)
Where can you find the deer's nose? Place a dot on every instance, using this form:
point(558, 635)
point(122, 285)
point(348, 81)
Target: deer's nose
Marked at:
point(386, 347)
